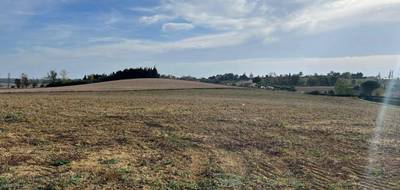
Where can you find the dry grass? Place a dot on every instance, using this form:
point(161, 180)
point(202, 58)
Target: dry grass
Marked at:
point(126, 85)
point(308, 89)
point(192, 139)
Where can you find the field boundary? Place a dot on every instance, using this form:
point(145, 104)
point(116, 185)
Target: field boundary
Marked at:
point(124, 85)
point(102, 91)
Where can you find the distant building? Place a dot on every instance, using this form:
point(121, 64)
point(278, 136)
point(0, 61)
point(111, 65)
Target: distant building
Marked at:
point(245, 83)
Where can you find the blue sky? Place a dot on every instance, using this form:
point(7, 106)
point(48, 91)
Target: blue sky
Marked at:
point(199, 38)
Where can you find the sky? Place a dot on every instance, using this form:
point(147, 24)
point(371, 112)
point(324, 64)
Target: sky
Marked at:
point(199, 38)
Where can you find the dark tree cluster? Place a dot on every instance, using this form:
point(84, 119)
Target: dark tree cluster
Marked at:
point(299, 79)
point(228, 77)
point(272, 79)
point(280, 80)
point(344, 83)
point(132, 73)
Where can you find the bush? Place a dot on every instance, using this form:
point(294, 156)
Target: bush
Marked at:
point(343, 88)
point(368, 87)
point(59, 83)
point(288, 88)
point(315, 92)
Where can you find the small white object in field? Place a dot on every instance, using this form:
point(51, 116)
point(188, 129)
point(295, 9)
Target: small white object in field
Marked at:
point(243, 104)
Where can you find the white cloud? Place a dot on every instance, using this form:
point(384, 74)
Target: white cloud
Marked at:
point(219, 14)
point(144, 9)
point(247, 17)
point(328, 15)
point(154, 19)
point(258, 16)
point(170, 27)
point(112, 48)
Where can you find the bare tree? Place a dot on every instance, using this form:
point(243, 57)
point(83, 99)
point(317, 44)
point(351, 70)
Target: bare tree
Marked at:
point(52, 76)
point(24, 80)
point(64, 75)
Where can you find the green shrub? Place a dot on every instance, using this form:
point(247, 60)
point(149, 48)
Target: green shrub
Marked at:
point(14, 117)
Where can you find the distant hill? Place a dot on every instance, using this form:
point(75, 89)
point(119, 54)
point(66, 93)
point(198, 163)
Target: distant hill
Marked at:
point(126, 85)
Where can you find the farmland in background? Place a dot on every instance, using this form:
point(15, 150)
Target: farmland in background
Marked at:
point(125, 85)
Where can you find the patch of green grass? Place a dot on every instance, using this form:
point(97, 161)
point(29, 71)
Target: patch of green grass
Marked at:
point(376, 172)
point(172, 185)
point(293, 181)
point(216, 178)
point(296, 184)
point(176, 142)
point(270, 183)
point(109, 161)
point(14, 117)
point(75, 180)
point(348, 184)
point(6, 184)
point(316, 153)
point(49, 186)
point(166, 162)
point(123, 171)
point(3, 183)
point(262, 182)
point(229, 181)
point(60, 162)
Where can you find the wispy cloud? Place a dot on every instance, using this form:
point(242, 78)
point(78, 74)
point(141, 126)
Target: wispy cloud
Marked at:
point(216, 14)
point(144, 9)
point(15, 13)
point(170, 27)
point(126, 47)
point(155, 18)
point(260, 18)
point(328, 15)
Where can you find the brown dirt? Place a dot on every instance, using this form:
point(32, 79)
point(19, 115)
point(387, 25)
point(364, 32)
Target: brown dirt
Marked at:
point(308, 89)
point(193, 139)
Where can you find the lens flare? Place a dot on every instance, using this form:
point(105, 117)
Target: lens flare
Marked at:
point(374, 168)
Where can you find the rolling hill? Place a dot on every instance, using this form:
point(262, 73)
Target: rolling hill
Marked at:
point(125, 85)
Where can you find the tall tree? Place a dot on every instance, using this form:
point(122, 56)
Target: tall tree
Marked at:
point(52, 76)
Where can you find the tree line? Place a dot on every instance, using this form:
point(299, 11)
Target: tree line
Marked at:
point(56, 79)
point(273, 79)
point(25, 82)
point(131, 73)
point(345, 84)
